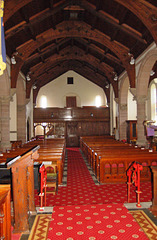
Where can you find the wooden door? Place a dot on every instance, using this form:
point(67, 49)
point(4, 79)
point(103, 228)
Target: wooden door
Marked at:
point(72, 138)
point(71, 101)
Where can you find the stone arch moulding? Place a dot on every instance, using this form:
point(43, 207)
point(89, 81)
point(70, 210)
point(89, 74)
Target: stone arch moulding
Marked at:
point(144, 72)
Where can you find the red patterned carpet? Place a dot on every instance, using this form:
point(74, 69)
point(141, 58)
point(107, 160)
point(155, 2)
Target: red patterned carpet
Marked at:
point(84, 210)
point(100, 221)
point(81, 189)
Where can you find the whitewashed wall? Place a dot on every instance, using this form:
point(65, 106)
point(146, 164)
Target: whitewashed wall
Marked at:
point(84, 90)
point(132, 107)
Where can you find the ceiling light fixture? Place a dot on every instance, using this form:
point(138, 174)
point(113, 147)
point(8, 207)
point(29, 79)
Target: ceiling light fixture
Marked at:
point(13, 60)
point(132, 61)
point(34, 87)
point(28, 77)
point(107, 86)
point(115, 77)
point(152, 73)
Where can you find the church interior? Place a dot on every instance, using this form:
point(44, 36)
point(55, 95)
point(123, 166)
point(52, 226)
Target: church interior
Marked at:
point(78, 119)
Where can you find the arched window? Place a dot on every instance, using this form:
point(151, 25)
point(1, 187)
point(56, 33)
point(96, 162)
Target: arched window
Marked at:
point(43, 101)
point(98, 101)
point(154, 101)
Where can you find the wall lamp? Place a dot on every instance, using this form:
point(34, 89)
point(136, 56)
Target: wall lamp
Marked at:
point(28, 77)
point(132, 61)
point(13, 60)
point(115, 77)
point(152, 73)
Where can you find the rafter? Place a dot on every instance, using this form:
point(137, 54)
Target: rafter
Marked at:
point(145, 11)
point(115, 22)
point(37, 18)
point(37, 69)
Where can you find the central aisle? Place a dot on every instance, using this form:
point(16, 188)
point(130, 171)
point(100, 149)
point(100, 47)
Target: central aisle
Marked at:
point(81, 189)
point(80, 211)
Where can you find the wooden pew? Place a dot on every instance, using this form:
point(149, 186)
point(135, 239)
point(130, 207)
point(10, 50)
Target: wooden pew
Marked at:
point(22, 172)
point(154, 202)
point(110, 159)
point(5, 212)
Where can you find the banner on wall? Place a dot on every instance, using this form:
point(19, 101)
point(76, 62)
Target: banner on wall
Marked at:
point(2, 40)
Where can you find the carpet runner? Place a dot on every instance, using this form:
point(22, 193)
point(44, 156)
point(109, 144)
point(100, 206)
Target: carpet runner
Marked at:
point(81, 188)
point(84, 210)
point(100, 221)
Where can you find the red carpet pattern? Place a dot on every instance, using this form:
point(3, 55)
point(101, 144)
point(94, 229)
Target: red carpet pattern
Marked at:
point(87, 211)
point(101, 221)
point(81, 188)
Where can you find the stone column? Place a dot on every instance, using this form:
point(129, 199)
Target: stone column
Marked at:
point(5, 122)
point(122, 121)
point(141, 116)
point(21, 122)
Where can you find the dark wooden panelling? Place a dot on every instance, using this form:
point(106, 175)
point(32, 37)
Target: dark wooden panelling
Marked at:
point(73, 114)
point(86, 121)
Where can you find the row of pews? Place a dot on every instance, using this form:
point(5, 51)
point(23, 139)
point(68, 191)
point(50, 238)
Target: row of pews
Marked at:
point(110, 159)
point(21, 160)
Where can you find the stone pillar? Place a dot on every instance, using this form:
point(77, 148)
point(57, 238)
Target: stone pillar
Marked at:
point(5, 122)
point(122, 121)
point(21, 122)
point(141, 116)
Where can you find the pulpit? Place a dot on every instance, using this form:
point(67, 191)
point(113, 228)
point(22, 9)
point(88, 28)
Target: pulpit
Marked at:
point(23, 188)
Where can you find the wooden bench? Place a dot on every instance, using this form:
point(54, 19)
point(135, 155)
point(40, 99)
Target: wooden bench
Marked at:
point(5, 212)
point(110, 159)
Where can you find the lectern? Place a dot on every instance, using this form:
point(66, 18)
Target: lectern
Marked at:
point(23, 188)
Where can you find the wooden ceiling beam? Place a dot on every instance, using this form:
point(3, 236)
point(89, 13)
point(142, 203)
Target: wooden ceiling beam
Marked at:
point(12, 6)
point(115, 22)
point(37, 69)
point(100, 51)
point(45, 50)
point(145, 11)
point(37, 18)
point(74, 29)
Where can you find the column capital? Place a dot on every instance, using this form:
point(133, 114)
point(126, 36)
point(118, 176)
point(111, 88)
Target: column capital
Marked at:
point(5, 99)
point(116, 100)
point(141, 99)
point(21, 107)
point(123, 107)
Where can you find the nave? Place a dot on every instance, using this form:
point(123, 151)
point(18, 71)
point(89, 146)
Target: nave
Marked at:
point(83, 209)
